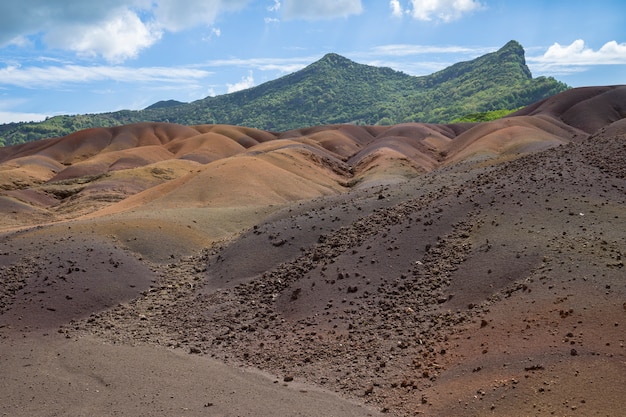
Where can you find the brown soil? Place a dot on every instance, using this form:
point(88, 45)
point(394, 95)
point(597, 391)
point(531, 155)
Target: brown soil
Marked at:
point(416, 269)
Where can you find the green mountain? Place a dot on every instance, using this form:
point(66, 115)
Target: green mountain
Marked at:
point(164, 103)
point(337, 90)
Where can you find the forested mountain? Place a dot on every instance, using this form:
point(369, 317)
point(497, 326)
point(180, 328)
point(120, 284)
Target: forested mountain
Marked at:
point(337, 90)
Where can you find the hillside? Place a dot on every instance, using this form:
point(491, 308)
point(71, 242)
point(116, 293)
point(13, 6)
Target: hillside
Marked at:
point(163, 164)
point(417, 269)
point(336, 90)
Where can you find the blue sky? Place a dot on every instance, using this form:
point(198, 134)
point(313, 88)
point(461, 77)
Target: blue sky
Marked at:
point(78, 56)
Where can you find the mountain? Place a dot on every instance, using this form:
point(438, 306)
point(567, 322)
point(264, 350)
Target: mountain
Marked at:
point(337, 90)
point(164, 104)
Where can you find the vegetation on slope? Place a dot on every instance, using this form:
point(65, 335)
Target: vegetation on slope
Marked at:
point(338, 90)
point(486, 116)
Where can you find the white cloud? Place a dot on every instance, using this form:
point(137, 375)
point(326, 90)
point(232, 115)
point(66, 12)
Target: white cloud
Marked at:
point(576, 57)
point(120, 37)
point(177, 15)
point(15, 117)
point(56, 76)
point(246, 82)
point(577, 53)
point(321, 9)
point(275, 7)
point(396, 8)
point(8, 115)
point(215, 33)
point(443, 10)
point(114, 29)
point(20, 41)
point(25, 18)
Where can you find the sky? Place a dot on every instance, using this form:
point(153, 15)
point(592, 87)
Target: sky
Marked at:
point(79, 57)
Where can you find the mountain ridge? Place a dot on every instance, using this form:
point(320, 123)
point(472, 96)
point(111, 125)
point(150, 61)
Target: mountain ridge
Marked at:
point(334, 90)
point(164, 104)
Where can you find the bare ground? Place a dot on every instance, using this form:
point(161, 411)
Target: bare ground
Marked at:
point(491, 285)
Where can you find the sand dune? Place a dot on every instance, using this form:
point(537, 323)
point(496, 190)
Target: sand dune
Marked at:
point(363, 155)
point(245, 179)
point(416, 269)
point(587, 109)
point(517, 135)
point(204, 148)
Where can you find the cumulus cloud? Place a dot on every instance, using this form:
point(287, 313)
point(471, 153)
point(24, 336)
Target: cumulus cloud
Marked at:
point(443, 10)
point(577, 53)
point(114, 29)
point(577, 57)
point(321, 9)
point(246, 82)
point(27, 17)
point(38, 77)
point(120, 37)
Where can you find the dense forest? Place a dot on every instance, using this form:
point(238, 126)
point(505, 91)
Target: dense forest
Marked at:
point(338, 90)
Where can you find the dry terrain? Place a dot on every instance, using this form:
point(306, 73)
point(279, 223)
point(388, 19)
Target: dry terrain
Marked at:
point(416, 269)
